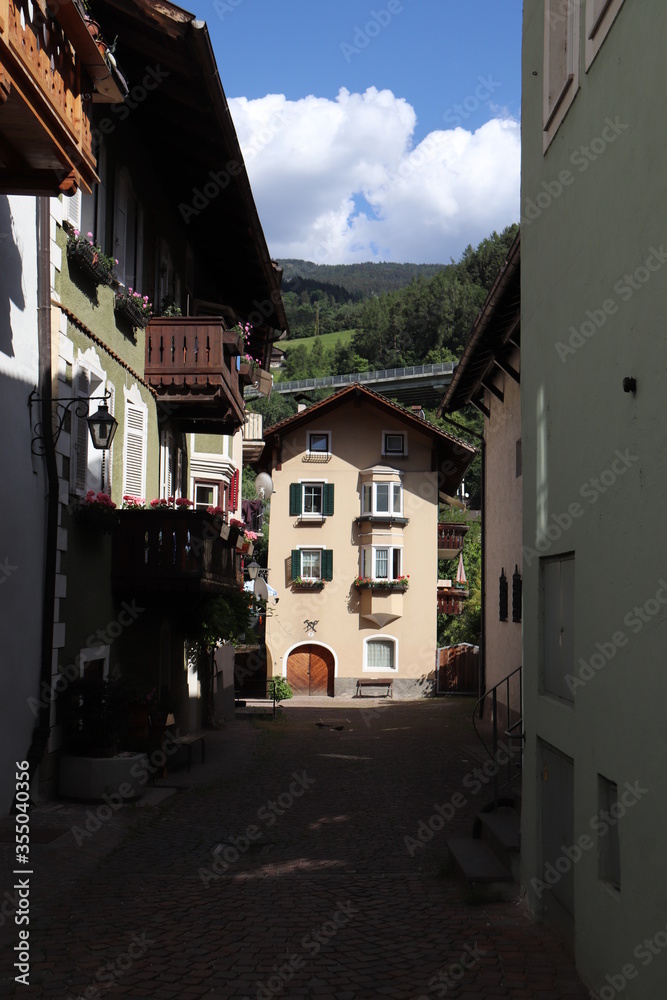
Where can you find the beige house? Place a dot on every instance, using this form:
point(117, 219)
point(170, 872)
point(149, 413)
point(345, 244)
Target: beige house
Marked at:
point(353, 544)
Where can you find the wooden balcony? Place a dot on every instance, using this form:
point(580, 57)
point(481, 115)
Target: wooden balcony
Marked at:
point(173, 551)
point(191, 363)
point(450, 539)
point(451, 597)
point(253, 439)
point(51, 72)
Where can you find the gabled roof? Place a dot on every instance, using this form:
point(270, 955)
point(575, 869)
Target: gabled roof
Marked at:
point(454, 454)
point(181, 120)
point(494, 335)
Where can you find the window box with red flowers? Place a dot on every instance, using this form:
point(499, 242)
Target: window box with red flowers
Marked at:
point(399, 585)
point(98, 511)
point(136, 308)
point(89, 258)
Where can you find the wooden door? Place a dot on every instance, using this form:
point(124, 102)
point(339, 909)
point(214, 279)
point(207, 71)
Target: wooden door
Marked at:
point(310, 670)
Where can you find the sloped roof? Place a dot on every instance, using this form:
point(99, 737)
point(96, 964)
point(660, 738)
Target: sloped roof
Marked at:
point(454, 454)
point(488, 341)
point(181, 118)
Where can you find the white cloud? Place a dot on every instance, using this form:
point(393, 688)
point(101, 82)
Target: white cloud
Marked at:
point(340, 181)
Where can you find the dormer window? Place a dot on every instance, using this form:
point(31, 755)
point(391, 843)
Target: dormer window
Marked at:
point(318, 441)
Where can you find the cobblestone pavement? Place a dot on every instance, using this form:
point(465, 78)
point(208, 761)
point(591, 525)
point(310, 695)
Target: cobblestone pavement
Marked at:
point(279, 868)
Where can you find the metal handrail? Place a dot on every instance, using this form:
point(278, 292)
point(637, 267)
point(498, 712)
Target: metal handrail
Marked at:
point(509, 732)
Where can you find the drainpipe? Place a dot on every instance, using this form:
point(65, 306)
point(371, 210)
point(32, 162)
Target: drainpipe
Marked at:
point(40, 736)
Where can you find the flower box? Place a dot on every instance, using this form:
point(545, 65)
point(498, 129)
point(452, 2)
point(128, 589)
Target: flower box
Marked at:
point(299, 584)
point(391, 586)
point(89, 260)
point(133, 308)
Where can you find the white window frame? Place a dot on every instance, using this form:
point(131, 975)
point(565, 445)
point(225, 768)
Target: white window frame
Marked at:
point(317, 451)
point(133, 400)
point(373, 512)
point(561, 31)
point(97, 463)
point(216, 493)
point(91, 653)
point(380, 638)
point(370, 552)
point(394, 454)
point(600, 15)
point(303, 483)
point(319, 549)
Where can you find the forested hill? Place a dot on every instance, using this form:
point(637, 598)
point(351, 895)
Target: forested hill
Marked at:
point(426, 319)
point(352, 281)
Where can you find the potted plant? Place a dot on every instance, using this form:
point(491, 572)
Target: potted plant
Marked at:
point(96, 510)
point(298, 583)
point(400, 583)
point(134, 307)
point(89, 258)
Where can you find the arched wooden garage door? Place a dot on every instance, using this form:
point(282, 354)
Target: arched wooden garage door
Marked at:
point(310, 670)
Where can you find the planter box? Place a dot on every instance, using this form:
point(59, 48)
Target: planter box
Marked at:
point(87, 260)
point(132, 312)
point(97, 518)
point(91, 778)
point(381, 606)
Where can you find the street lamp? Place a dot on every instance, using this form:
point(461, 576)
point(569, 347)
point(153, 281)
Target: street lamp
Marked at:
point(253, 569)
point(102, 425)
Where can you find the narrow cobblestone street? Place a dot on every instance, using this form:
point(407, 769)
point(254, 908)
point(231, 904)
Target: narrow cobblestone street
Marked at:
point(279, 868)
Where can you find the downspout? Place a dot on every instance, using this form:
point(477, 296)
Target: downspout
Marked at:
point(40, 736)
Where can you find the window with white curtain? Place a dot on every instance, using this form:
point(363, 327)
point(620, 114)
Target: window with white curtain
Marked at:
point(382, 499)
point(380, 654)
point(381, 562)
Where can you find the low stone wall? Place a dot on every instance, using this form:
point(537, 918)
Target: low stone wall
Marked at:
point(404, 688)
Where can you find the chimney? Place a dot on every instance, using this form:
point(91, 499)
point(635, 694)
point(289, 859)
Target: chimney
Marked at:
point(418, 411)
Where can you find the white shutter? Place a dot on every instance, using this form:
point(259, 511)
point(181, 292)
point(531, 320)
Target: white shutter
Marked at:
point(80, 436)
point(134, 452)
point(72, 210)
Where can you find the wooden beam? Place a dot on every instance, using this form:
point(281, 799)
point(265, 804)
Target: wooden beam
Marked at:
point(494, 390)
point(505, 366)
point(479, 405)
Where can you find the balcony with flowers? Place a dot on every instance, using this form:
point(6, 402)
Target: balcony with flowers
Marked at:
point(381, 600)
point(166, 547)
point(191, 362)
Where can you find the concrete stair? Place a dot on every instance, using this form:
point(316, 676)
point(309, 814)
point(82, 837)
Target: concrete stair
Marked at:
point(491, 855)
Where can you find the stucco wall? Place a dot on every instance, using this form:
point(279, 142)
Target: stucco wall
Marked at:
point(23, 489)
point(356, 444)
point(595, 472)
point(502, 527)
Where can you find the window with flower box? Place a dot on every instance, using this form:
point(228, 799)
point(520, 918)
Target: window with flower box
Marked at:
point(312, 564)
point(381, 562)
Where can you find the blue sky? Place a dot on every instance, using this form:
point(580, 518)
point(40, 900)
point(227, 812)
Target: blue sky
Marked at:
point(386, 131)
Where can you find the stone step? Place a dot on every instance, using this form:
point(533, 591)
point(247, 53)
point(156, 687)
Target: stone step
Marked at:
point(476, 861)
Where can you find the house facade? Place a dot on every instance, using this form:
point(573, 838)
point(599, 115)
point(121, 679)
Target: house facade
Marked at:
point(488, 377)
point(149, 315)
point(593, 430)
point(353, 543)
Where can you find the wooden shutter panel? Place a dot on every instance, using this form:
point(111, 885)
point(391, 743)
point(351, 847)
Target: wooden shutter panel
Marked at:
point(81, 439)
point(517, 588)
point(327, 564)
point(296, 563)
point(328, 500)
point(234, 491)
point(503, 596)
point(134, 451)
point(120, 224)
point(294, 499)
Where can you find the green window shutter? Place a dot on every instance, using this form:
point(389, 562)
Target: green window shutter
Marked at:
point(327, 564)
point(296, 563)
point(328, 500)
point(294, 499)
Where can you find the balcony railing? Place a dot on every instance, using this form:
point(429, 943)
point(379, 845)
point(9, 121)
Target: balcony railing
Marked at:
point(48, 68)
point(191, 362)
point(173, 551)
point(450, 539)
point(451, 597)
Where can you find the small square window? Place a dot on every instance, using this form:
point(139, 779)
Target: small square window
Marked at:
point(318, 441)
point(394, 444)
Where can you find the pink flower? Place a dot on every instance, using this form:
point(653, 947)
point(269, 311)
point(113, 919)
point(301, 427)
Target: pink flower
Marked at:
point(116, 260)
point(89, 235)
point(76, 232)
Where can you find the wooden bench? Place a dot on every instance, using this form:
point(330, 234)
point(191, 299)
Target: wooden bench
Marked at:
point(188, 741)
point(386, 682)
